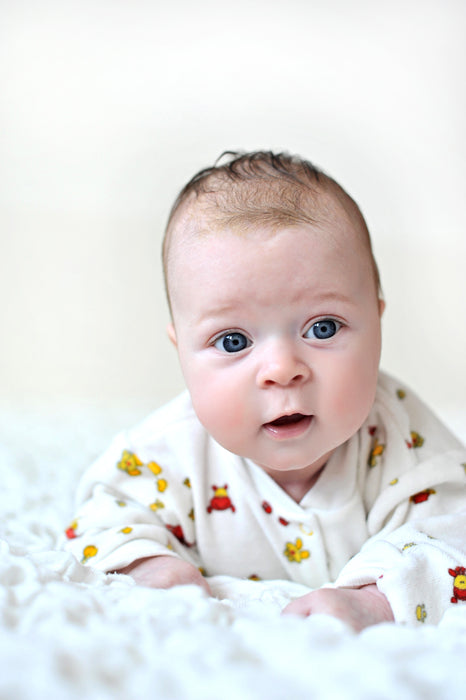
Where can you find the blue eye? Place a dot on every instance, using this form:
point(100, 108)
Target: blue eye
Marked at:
point(232, 342)
point(323, 330)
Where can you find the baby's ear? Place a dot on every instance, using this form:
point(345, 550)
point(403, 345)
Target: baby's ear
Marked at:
point(381, 307)
point(171, 333)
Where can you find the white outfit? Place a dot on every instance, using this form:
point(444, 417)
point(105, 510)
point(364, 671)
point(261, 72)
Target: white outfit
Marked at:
point(389, 507)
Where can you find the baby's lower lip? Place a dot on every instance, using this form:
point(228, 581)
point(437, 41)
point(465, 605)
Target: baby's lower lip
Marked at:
point(288, 426)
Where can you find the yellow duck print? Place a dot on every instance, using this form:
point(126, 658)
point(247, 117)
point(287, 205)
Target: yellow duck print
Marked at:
point(421, 613)
point(305, 531)
point(157, 505)
point(89, 552)
point(130, 463)
point(294, 551)
point(154, 468)
point(162, 485)
point(408, 545)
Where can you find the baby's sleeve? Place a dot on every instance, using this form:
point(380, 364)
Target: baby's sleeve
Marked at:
point(419, 564)
point(417, 550)
point(129, 508)
point(420, 568)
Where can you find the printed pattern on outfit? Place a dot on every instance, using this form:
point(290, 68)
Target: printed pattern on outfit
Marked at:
point(389, 507)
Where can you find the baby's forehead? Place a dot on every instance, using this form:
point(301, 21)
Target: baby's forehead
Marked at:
point(200, 217)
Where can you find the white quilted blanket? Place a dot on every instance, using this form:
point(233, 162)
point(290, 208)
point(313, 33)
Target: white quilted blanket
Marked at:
point(70, 632)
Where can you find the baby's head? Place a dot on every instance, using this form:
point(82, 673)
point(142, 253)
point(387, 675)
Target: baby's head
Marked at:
point(274, 295)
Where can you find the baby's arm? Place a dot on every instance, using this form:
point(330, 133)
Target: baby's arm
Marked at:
point(165, 572)
point(133, 517)
point(358, 607)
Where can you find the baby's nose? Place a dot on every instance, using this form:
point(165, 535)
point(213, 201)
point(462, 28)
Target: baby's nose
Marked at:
point(281, 366)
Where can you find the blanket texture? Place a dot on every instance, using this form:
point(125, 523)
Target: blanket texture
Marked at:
point(69, 631)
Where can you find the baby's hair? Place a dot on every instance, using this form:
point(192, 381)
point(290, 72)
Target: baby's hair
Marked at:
point(245, 191)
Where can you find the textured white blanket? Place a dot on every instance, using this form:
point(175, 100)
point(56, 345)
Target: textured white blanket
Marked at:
point(68, 631)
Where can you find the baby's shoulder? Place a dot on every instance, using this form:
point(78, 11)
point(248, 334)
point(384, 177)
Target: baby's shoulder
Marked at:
point(169, 439)
point(398, 408)
point(173, 417)
point(171, 429)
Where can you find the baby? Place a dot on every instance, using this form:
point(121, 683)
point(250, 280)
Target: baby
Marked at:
point(290, 456)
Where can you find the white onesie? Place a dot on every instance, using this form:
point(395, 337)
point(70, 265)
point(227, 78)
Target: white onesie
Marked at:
point(389, 507)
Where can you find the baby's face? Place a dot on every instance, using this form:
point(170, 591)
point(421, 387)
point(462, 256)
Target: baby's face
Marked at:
point(278, 336)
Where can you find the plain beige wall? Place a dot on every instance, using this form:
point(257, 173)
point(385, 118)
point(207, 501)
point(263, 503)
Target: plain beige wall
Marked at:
point(107, 107)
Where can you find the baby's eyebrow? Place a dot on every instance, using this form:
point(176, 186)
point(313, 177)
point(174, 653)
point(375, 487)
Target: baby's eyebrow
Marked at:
point(221, 306)
point(217, 313)
point(332, 296)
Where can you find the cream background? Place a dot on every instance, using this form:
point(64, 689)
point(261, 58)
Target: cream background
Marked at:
point(108, 107)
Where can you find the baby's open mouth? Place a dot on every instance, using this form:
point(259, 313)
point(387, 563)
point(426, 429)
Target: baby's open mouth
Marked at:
point(288, 420)
point(290, 426)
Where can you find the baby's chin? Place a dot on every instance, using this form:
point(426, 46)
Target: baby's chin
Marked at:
point(303, 469)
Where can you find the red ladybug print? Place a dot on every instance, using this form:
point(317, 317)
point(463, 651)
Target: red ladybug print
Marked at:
point(220, 500)
point(71, 531)
point(267, 507)
point(422, 496)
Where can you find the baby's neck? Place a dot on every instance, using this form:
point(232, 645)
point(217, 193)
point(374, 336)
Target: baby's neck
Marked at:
point(297, 490)
point(295, 485)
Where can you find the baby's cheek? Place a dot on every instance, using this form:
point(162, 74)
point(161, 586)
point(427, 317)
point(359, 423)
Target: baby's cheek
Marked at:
point(220, 412)
point(353, 393)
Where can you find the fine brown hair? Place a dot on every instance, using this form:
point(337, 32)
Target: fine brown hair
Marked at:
point(261, 188)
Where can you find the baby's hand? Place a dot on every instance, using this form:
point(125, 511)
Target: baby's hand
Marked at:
point(165, 572)
point(358, 607)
